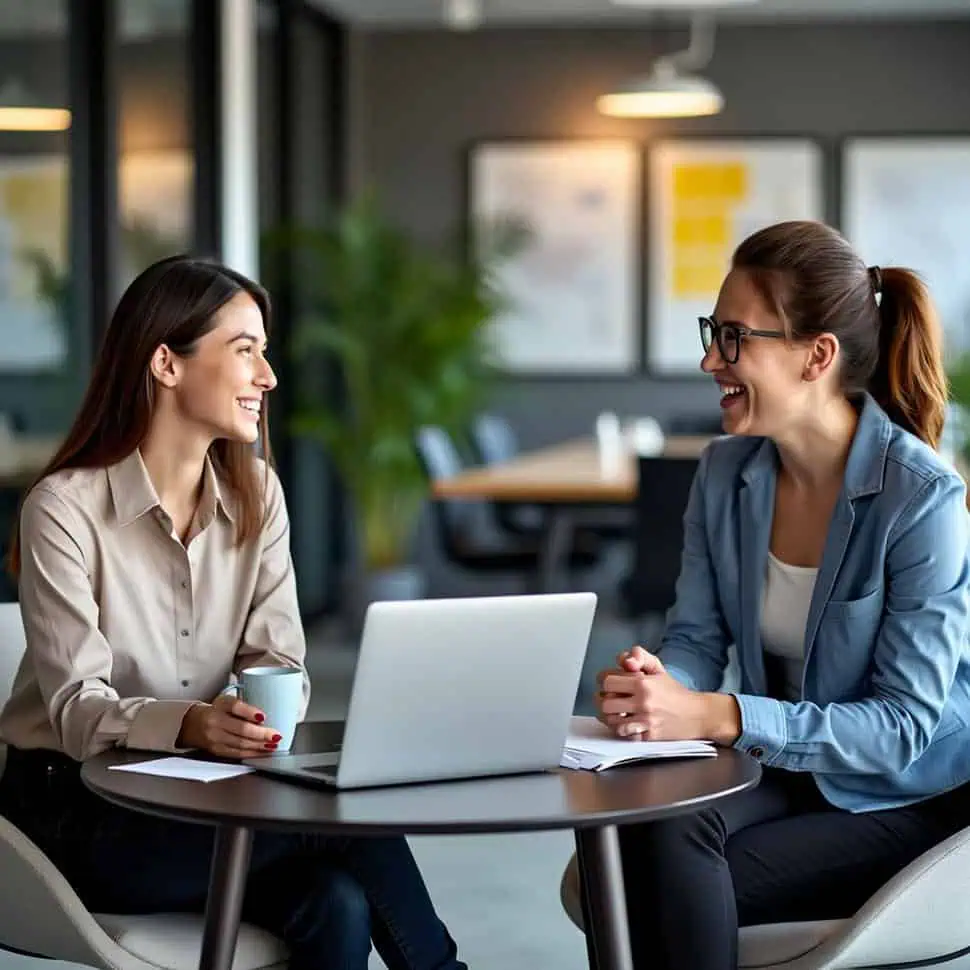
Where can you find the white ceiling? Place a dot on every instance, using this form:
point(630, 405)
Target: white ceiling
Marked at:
point(428, 13)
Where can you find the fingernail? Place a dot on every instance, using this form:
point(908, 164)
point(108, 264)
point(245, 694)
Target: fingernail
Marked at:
point(259, 718)
point(277, 738)
point(271, 747)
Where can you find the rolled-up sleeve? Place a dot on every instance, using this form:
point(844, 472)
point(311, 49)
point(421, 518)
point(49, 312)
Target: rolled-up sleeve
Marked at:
point(71, 658)
point(273, 634)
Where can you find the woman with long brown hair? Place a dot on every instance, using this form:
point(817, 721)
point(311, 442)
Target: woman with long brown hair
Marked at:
point(153, 562)
point(827, 540)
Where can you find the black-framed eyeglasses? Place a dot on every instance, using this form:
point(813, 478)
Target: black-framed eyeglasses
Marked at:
point(728, 337)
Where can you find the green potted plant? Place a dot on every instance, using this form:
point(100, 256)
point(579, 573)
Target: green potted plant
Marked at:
point(409, 331)
point(958, 417)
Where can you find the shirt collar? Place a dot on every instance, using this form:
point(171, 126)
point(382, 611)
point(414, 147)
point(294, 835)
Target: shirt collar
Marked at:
point(133, 494)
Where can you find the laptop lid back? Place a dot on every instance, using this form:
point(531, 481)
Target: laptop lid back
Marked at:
point(464, 687)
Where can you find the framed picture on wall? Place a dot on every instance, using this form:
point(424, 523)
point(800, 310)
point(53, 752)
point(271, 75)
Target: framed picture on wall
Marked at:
point(574, 287)
point(906, 202)
point(705, 196)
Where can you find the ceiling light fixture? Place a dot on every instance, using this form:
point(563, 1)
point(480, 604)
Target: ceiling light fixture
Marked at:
point(668, 92)
point(463, 14)
point(19, 113)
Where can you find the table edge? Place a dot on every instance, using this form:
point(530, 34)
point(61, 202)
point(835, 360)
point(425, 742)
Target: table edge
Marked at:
point(473, 827)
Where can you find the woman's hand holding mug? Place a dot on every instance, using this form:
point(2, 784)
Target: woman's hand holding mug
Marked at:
point(228, 728)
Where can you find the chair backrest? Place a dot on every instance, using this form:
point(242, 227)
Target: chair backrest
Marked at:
point(694, 424)
point(13, 645)
point(494, 439)
point(658, 532)
point(440, 459)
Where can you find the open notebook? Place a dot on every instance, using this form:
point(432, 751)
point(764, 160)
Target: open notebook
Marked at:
point(593, 746)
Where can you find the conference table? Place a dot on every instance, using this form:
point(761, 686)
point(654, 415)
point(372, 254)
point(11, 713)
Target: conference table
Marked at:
point(567, 480)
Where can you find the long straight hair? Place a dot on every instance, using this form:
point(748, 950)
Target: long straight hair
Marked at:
point(173, 302)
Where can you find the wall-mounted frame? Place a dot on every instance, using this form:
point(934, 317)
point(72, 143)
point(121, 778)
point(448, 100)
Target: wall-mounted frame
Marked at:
point(705, 195)
point(906, 202)
point(575, 288)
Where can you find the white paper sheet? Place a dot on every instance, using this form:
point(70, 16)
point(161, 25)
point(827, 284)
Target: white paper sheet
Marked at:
point(185, 768)
point(592, 746)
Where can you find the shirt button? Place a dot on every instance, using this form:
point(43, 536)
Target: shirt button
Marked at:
point(184, 584)
point(757, 752)
point(184, 633)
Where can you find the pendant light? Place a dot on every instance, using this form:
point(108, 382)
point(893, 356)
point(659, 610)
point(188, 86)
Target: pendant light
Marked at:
point(668, 91)
point(19, 112)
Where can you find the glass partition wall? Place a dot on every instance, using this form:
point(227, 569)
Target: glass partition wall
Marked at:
point(109, 160)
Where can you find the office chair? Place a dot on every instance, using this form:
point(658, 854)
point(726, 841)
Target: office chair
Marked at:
point(694, 424)
point(920, 918)
point(658, 535)
point(41, 915)
point(494, 442)
point(460, 527)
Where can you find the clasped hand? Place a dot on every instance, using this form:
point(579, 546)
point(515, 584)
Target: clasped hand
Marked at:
point(639, 700)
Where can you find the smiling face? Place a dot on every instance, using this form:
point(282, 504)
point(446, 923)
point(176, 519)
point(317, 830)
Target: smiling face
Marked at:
point(774, 382)
point(219, 388)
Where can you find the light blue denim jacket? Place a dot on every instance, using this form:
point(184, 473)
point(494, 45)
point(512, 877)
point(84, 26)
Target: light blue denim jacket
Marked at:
point(884, 718)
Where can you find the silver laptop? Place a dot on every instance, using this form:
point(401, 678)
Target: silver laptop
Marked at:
point(456, 688)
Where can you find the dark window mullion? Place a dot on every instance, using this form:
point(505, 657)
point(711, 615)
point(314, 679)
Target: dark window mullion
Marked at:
point(93, 73)
point(204, 105)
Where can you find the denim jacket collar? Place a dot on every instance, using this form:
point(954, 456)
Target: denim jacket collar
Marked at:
point(865, 470)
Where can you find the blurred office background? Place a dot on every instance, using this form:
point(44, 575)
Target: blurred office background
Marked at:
point(393, 96)
point(133, 129)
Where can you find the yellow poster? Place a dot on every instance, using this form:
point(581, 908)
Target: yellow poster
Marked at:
point(704, 197)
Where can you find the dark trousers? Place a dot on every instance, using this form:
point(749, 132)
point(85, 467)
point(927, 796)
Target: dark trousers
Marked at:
point(326, 898)
point(775, 854)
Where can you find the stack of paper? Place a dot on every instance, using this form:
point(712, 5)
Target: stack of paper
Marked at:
point(593, 746)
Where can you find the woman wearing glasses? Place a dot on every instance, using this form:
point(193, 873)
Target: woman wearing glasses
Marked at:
point(827, 540)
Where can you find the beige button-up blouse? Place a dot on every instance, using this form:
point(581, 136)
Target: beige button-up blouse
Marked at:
point(126, 627)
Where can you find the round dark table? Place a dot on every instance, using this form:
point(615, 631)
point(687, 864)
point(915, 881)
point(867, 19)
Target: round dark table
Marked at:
point(591, 803)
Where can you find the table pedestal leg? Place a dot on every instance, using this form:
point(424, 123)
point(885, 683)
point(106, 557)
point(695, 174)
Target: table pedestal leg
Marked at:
point(554, 549)
point(604, 902)
point(227, 886)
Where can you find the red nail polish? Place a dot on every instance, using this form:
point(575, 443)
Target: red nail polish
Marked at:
point(259, 718)
point(277, 738)
point(271, 747)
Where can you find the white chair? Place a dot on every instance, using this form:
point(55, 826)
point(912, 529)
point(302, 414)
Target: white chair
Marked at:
point(41, 914)
point(921, 917)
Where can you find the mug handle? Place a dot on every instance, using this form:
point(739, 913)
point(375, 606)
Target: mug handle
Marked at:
point(229, 689)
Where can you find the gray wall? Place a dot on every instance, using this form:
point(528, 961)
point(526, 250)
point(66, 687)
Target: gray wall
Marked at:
point(423, 96)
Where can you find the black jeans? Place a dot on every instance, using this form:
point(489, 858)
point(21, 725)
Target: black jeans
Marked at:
point(775, 854)
point(324, 897)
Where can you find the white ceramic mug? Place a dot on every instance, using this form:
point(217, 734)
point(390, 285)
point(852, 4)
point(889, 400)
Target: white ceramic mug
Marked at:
point(278, 693)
